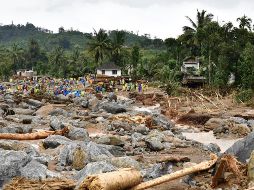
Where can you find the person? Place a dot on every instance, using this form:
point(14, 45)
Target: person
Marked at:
point(139, 87)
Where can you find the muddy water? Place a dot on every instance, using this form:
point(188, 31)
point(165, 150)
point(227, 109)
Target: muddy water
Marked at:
point(208, 137)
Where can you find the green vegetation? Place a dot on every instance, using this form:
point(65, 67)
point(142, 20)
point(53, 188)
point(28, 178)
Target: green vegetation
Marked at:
point(224, 51)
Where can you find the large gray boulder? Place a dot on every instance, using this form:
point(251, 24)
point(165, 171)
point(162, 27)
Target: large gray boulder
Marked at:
point(23, 111)
point(243, 148)
point(76, 133)
point(97, 153)
point(56, 123)
point(16, 128)
point(95, 168)
point(157, 170)
point(34, 103)
point(113, 108)
point(19, 146)
point(54, 141)
point(11, 163)
point(162, 121)
point(154, 140)
point(34, 170)
point(59, 111)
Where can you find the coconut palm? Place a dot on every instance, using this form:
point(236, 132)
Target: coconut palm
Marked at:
point(117, 46)
point(99, 45)
point(195, 34)
point(244, 22)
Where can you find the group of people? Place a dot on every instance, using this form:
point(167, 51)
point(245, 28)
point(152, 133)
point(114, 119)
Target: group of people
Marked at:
point(74, 87)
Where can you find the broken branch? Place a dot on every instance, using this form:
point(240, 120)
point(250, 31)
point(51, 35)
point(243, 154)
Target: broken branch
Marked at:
point(187, 171)
point(33, 136)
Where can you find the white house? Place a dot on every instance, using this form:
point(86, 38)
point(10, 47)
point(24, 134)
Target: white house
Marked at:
point(190, 64)
point(26, 73)
point(109, 69)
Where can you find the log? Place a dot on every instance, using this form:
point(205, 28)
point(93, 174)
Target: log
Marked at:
point(33, 136)
point(47, 184)
point(118, 180)
point(186, 171)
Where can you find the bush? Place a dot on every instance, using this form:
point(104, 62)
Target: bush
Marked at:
point(245, 96)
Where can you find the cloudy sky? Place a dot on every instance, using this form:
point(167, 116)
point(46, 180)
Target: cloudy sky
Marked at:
point(160, 18)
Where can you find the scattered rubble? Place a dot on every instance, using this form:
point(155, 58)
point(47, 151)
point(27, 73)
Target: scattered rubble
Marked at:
point(67, 143)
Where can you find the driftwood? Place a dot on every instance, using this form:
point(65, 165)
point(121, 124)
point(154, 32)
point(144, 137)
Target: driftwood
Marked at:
point(33, 136)
point(48, 184)
point(118, 180)
point(228, 163)
point(199, 167)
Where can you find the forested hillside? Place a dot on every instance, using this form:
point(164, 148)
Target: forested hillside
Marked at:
point(223, 49)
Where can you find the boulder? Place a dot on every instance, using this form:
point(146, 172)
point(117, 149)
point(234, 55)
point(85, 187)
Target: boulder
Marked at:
point(238, 120)
point(157, 170)
point(76, 133)
point(44, 110)
point(110, 140)
point(62, 97)
point(141, 129)
point(240, 130)
point(97, 153)
point(114, 108)
point(54, 141)
point(154, 140)
point(243, 148)
point(212, 148)
point(162, 121)
point(34, 103)
point(23, 111)
point(251, 167)
point(251, 123)
point(11, 163)
point(59, 111)
point(85, 104)
point(124, 162)
point(121, 124)
point(112, 97)
point(15, 128)
point(18, 146)
point(114, 150)
point(56, 123)
point(95, 168)
point(214, 123)
point(34, 170)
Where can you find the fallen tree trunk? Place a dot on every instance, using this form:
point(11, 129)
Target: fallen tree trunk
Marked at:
point(47, 184)
point(118, 180)
point(199, 167)
point(33, 136)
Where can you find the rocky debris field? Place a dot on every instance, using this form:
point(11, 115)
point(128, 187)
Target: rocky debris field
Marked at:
point(105, 135)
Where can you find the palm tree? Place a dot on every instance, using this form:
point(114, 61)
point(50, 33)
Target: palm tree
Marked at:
point(17, 56)
point(117, 46)
point(195, 33)
point(244, 22)
point(99, 45)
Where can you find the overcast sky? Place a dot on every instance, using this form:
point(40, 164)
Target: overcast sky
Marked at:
point(160, 18)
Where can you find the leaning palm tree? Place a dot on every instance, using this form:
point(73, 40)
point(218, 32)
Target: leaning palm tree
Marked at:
point(244, 22)
point(99, 45)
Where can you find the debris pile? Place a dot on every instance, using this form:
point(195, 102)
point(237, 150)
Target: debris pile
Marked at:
point(110, 142)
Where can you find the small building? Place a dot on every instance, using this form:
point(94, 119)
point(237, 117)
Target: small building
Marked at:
point(26, 73)
point(109, 69)
point(190, 65)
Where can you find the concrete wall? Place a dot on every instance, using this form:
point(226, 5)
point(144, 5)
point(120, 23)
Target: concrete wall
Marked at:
point(109, 72)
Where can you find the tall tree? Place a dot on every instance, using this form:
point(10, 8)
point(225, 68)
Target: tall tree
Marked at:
point(99, 45)
point(196, 32)
point(117, 47)
point(17, 56)
point(244, 22)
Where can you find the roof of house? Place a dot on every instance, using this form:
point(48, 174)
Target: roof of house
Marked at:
point(109, 65)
